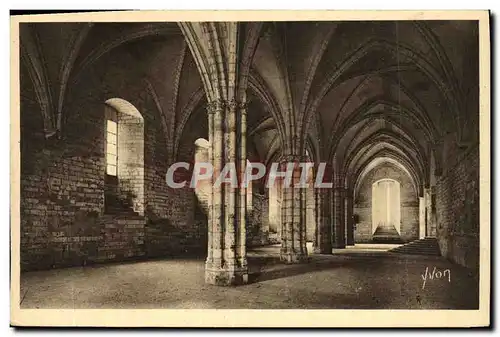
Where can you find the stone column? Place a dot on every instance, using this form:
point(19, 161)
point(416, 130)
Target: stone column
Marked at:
point(226, 259)
point(349, 213)
point(311, 216)
point(430, 229)
point(212, 228)
point(241, 206)
point(433, 222)
point(293, 239)
point(421, 217)
point(215, 262)
point(323, 233)
point(339, 213)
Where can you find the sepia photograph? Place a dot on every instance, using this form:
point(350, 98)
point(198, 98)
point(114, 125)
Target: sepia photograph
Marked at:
point(250, 162)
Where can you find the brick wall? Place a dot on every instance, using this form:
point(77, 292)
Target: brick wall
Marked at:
point(181, 230)
point(61, 201)
point(62, 182)
point(409, 204)
point(457, 210)
point(62, 189)
point(410, 223)
point(122, 237)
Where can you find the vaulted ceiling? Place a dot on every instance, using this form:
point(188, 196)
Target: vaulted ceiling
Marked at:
point(357, 93)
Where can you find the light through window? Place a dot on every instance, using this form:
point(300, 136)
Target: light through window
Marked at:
point(111, 151)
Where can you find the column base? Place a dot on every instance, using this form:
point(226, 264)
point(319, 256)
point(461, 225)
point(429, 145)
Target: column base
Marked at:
point(293, 257)
point(226, 276)
point(322, 250)
point(350, 243)
point(338, 246)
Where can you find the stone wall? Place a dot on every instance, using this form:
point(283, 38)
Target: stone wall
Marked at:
point(181, 230)
point(63, 219)
point(275, 214)
point(258, 221)
point(457, 210)
point(61, 196)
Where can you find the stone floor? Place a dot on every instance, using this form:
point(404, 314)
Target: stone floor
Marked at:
point(360, 277)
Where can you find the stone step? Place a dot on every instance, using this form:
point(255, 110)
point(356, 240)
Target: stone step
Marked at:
point(426, 246)
point(430, 249)
point(122, 216)
point(385, 233)
point(430, 245)
point(120, 212)
point(421, 245)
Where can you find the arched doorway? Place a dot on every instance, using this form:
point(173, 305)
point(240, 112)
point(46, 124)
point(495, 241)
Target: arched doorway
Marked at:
point(386, 210)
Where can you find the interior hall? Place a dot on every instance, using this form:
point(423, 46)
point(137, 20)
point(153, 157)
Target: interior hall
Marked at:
point(391, 107)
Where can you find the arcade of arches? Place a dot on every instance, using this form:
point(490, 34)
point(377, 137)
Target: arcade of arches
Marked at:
point(106, 108)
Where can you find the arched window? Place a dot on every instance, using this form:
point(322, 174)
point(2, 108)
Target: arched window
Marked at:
point(124, 149)
point(111, 143)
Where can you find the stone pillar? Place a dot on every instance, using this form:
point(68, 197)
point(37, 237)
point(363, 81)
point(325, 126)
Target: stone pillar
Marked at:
point(241, 206)
point(427, 201)
point(293, 239)
point(226, 259)
point(430, 229)
point(433, 223)
point(339, 214)
point(323, 234)
point(349, 214)
point(421, 217)
point(311, 217)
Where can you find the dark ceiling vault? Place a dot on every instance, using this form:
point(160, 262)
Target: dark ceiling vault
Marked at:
point(351, 93)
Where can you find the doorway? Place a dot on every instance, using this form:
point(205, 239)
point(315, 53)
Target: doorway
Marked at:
point(386, 210)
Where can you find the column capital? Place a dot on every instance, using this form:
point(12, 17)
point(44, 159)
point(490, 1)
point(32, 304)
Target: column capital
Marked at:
point(232, 104)
point(430, 189)
point(220, 104)
point(243, 105)
point(215, 105)
point(293, 158)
